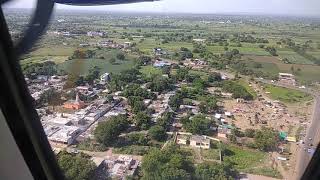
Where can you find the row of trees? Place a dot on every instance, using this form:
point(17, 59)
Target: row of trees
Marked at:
point(47, 68)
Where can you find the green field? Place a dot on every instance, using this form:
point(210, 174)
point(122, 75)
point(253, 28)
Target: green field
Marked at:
point(305, 73)
point(248, 88)
point(243, 158)
point(287, 95)
point(84, 65)
point(150, 71)
point(249, 161)
point(294, 58)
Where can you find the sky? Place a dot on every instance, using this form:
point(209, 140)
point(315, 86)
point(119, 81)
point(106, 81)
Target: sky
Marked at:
point(282, 7)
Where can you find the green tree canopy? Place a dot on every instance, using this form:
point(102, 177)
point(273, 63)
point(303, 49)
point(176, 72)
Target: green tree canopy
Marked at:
point(215, 171)
point(157, 132)
point(106, 132)
point(266, 139)
point(170, 163)
point(198, 124)
point(142, 120)
point(76, 167)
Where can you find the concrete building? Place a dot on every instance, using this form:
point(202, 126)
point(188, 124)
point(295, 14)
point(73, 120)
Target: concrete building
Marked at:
point(181, 139)
point(127, 44)
point(117, 167)
point(199, 40)
point(62, 134)
point(199, 142)
point(287, 79)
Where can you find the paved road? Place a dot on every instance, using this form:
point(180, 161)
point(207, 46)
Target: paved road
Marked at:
point(303, 157)
point(314, 132)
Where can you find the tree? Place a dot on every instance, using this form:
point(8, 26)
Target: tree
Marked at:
point(237, 90)
point(272, 51)
point(120, 56)
point(169, 163)
point(143, 60)
point(157, 132)
point(50, 96)
point(93, 74)
point(209, 105)
point(142, 120)
point(76, 167)
point(112, 60)
point(159, 84)
point(175, 101)
point(109, 98)
point(198, 124)
point(249, 133)
point(215, 171)
point(182, 73)
point(106, 132)
point(266, 139)
point(214, 77)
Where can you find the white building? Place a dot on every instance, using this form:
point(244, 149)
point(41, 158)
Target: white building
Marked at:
point(64, 134)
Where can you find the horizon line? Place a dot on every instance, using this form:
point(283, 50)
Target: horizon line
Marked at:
point(185, 13)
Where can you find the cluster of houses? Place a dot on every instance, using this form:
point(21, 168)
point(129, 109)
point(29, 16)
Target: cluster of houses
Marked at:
point(43, 83)
point(160, 105)
point(64, 124)
point(65, 128)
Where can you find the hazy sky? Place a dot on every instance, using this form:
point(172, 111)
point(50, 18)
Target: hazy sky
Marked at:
point(287, 7)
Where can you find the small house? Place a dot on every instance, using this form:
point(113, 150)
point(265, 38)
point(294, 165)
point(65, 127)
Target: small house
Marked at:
point(199, 142)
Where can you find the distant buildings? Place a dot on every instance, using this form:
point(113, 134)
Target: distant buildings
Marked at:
point(199, 40)
point(159, 51)
point(287, 79)
point(96, 33)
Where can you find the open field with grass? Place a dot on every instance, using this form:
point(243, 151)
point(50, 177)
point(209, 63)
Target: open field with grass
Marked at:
point(286, 95)
point(248, 87)
point(150, 71)
point(294, 58)
point(249, 161)
point(84, 65)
